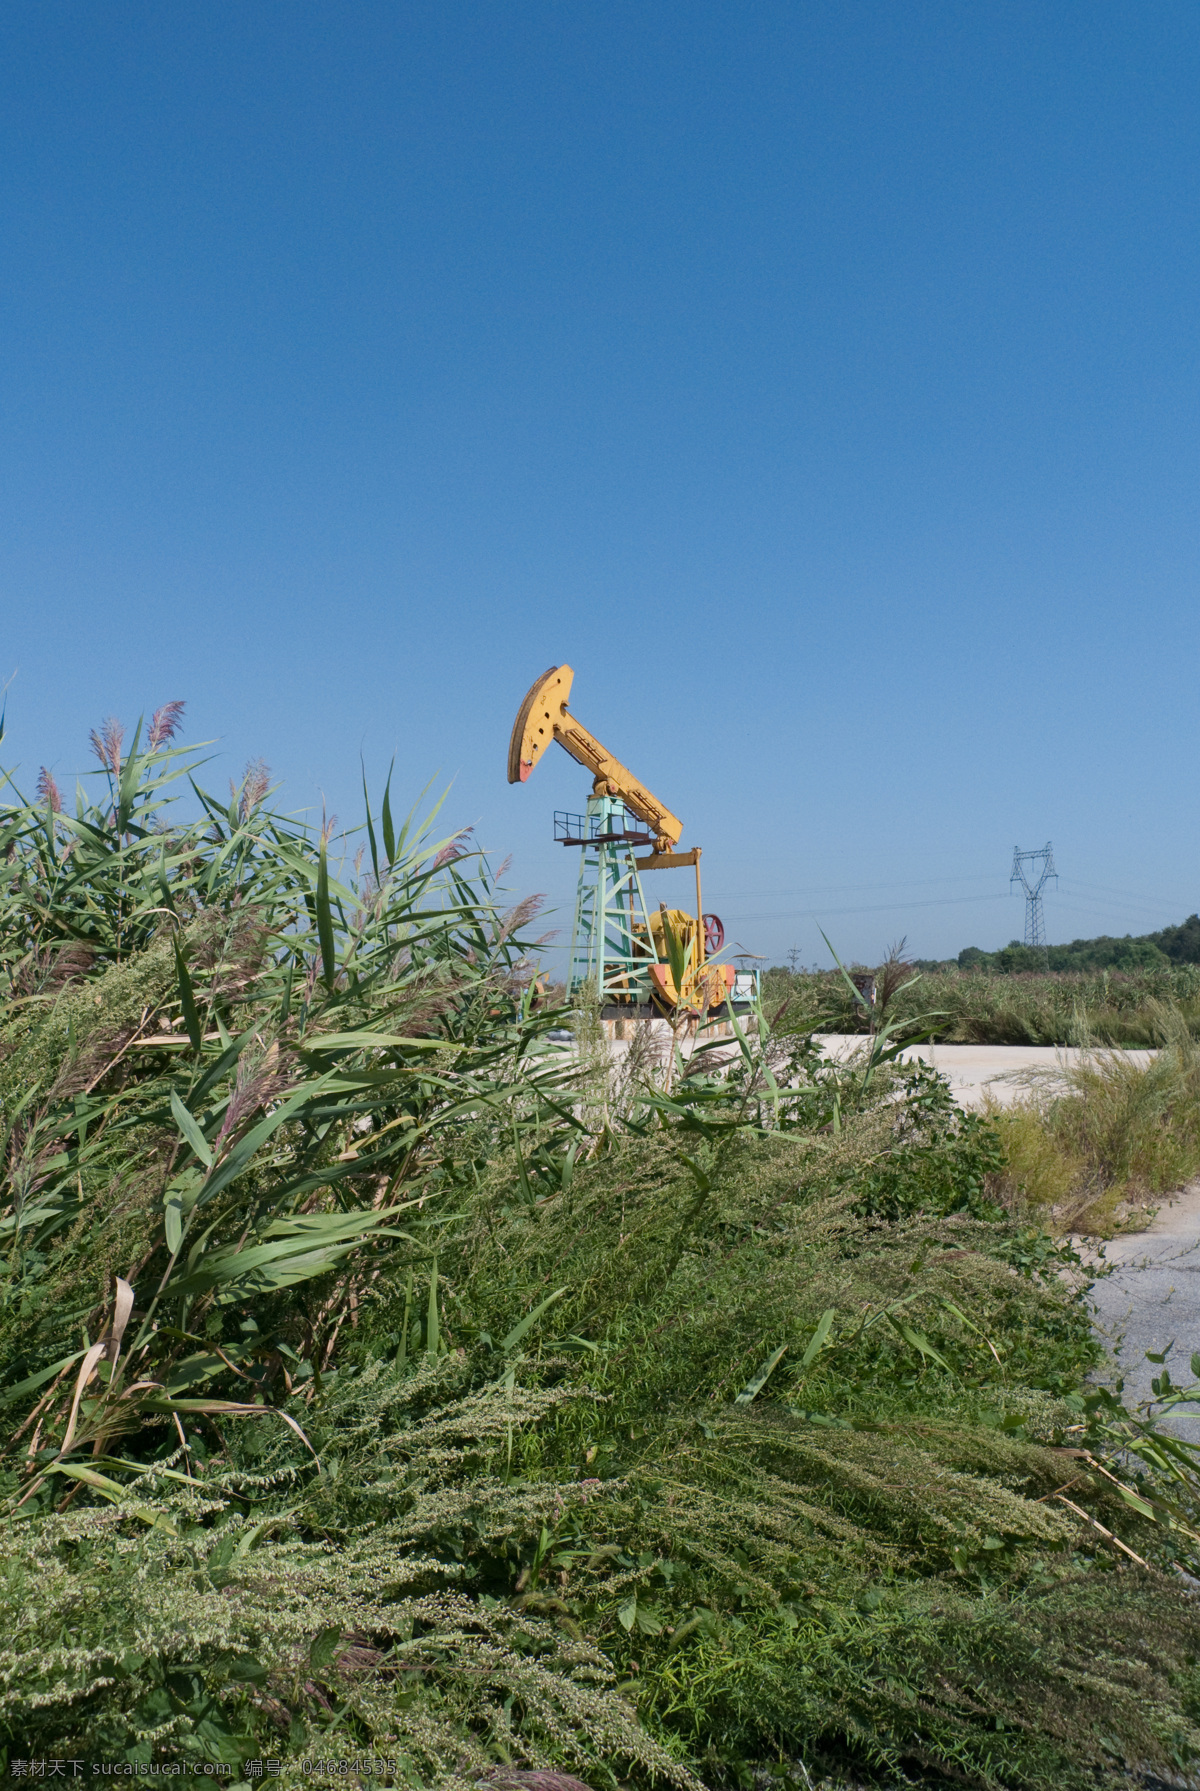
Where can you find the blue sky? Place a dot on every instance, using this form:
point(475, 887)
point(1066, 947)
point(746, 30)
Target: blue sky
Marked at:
point(819, 380)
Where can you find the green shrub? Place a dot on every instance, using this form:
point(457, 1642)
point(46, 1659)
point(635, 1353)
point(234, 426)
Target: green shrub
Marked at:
point(1103, 1132)
point(863, 1564)
point(276, 1613)
point(1039, 1177)
point(378, 1381)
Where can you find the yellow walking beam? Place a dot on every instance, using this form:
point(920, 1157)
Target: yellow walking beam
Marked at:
point(543, 717)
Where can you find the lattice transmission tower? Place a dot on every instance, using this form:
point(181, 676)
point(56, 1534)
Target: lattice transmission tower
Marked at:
point(1035, 922)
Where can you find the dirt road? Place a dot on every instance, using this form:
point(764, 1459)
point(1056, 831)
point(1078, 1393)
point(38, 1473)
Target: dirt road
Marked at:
point(975, 1070)
point(1151, 1301)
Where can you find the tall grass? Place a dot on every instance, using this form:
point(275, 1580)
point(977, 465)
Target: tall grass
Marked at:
point(231, 1067)
point(1104, 1133)
point(968, 1007)
point(377, 1382)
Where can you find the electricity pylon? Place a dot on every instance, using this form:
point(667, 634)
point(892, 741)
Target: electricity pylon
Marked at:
point(1035, 925)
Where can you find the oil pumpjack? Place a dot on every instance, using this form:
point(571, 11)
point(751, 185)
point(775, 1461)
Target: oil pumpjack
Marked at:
point(630, 954)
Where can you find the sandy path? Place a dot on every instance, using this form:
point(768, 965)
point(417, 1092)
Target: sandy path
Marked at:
point(975, 1070)
point(972, 1071)
point(1152, 1300)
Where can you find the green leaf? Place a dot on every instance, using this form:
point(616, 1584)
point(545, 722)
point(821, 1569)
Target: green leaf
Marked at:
point(857, 994)
point(39, 1380)
point(522, 1172)
point(194, 1369)
point(702, 1620)
point(677, 954)
point(697, 1172)
point(743, 1042)
point(627, 1613)
point(324, 1648)
point(920, 1343)
point(128, 782)
point(173, 1220)
point(526, 1324)
point(232, 1165)
point(432, 1327)
point(389, 831)
point(191, 1131)
point(114, 1491)
point(817, 1340)
point(325, 919)
point(242, 1669)
point(1139, 1505)
point(285, 1005)
point(754, 1387)
point(402, 1351)
point(284, 1261)
point(187, 999)
point(370, 825)
point(164, 886)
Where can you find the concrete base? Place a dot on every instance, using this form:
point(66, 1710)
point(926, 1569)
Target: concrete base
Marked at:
point(625, 1026)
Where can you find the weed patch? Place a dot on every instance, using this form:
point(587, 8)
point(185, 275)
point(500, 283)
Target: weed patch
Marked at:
point(1119, 1008)
point(1102, 1135)
point(378, 1379)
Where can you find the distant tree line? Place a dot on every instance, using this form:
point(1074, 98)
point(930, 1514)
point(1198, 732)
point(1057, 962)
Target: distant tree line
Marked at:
point(1147, 951)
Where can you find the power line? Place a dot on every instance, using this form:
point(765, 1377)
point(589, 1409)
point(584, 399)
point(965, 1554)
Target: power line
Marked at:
point(1147, 903)
point(742, 895)
point(902, 906)
point(878, 908)
point(1152, 904)
point(1112, 912)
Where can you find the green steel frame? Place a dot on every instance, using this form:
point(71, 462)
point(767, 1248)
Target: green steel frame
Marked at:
point(610, 935)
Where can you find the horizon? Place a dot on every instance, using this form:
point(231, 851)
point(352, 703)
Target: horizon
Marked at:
point(819, 383)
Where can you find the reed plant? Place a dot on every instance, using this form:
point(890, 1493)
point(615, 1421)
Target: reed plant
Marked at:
point(382, 1383)
point(229, 1071)
point(986, 1008)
